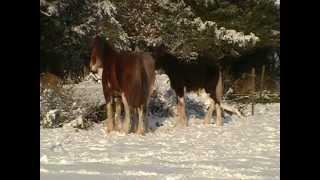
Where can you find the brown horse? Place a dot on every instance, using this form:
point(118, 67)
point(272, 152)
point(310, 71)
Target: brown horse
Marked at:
point(130, 75)
point(192, 76)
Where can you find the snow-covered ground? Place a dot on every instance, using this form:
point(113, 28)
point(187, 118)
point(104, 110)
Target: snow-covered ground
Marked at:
point(241, 149)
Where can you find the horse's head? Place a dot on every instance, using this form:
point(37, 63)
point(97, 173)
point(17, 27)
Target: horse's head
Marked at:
point(161, 55)
point(97, 46)
point(95, 61)
point(158, 51)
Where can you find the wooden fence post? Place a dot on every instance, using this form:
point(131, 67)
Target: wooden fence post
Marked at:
point(253, 76)
point(262, 80)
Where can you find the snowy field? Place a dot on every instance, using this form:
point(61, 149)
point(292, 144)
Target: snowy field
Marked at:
point(241, 149)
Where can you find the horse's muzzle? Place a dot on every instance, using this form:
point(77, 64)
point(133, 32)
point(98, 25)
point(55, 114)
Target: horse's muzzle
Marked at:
point(97, 73)
point(93, 68)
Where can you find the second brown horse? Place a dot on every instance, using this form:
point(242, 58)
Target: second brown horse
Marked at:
point(130, 75)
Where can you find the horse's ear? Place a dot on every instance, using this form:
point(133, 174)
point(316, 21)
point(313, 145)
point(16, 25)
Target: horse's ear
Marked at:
point(91, 42)
point(161, 48)
point(94, 40)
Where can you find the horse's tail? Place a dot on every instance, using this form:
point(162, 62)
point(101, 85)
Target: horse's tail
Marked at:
point(148, 74)
point(143, 80)
point(135, 89)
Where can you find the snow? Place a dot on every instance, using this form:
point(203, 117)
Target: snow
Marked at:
point(241, 149)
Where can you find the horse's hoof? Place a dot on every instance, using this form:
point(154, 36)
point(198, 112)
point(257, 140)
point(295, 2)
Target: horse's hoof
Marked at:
point(117, 129)
point(108, 131)
point(142, 133)
point(179, 125)
point(125, 130)
point(206, 123)
point(219, 125)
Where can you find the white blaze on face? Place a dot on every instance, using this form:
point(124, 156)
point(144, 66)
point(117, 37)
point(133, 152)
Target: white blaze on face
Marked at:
point(93, 67)
point(99, 73)
point(96, 66)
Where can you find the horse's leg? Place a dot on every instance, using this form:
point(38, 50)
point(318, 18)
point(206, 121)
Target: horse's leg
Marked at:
point(134, 121)
point(207, 119)
point(141, 125)
point(110, 124)
point(182, 112)
point(126, 125)
point(117, 116)
point(107, 92)
point(218, 117)
point(219, 94)
point(146, 121)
